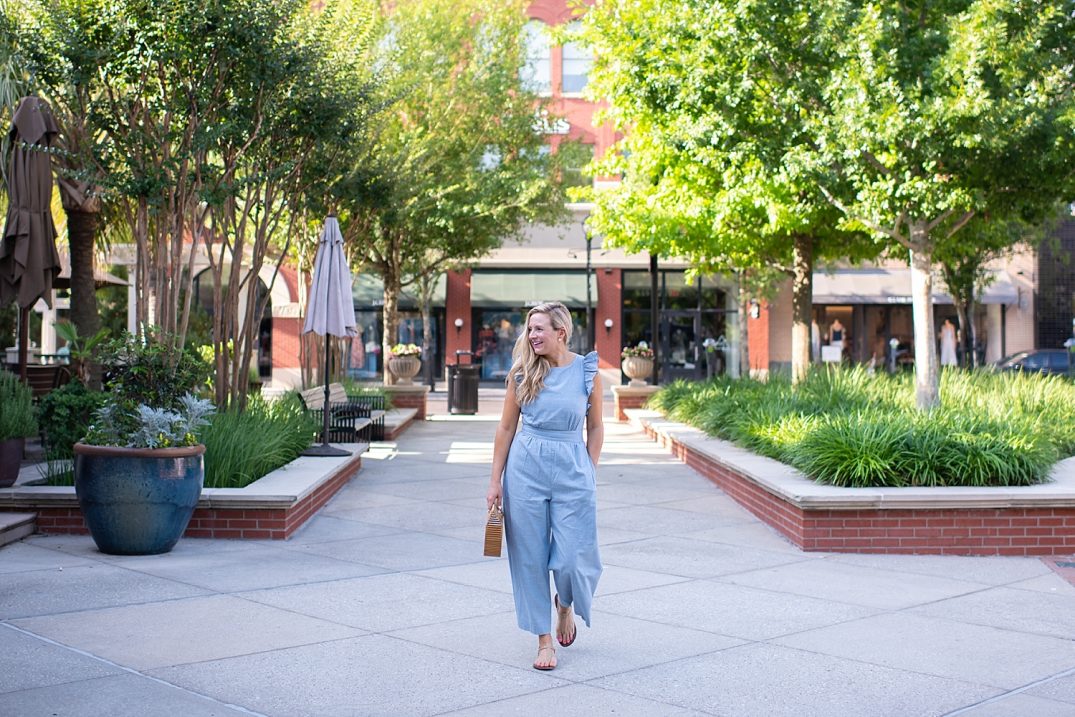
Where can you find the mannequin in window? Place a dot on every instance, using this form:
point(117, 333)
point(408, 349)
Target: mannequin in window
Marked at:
point(948, 344)
point(836, 333)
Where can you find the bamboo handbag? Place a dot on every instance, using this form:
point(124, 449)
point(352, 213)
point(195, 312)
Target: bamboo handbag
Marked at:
point(494, 531)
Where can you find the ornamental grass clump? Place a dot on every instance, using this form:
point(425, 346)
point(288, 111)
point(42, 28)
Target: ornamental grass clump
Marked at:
point(16, 408)
point(851, 428)
point(241, 447)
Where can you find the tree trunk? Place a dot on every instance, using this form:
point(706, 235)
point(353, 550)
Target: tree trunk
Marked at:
point(970, 335)
point(802, 298)
point(390, 273)
point(82, 240)
point(961, 316)
point(81, 235)
point(927, 382)
point(425, 297)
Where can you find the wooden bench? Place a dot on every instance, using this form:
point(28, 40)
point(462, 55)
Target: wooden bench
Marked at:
point(352, 418)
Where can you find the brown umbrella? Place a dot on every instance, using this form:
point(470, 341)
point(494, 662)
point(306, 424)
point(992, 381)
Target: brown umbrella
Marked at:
point(28, 259)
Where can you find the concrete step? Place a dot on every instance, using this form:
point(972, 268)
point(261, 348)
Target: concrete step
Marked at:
point(16, 526)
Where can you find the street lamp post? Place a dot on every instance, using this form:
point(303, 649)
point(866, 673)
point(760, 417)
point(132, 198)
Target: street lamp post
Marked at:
point(589, 296)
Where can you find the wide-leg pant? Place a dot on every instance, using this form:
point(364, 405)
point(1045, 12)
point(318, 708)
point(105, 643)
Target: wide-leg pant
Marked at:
point(550, 521)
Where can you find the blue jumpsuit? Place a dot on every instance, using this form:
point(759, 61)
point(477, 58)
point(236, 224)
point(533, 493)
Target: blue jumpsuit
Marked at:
point(550, 508)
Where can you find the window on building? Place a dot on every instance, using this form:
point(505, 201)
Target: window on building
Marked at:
point(574, 156)
point(536, 74)
point(576, 65)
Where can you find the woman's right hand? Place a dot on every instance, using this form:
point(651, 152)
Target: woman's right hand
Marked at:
point(493, 496)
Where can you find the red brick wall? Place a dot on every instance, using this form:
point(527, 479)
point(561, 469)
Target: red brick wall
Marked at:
point(621, 403)
point(609, 301)
point(949, 531)
point(412, 400)
point(245, 523)
point(286, 342)
point(457, 306)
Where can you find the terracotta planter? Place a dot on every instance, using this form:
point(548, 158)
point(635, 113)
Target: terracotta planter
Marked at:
point(404, 368)
point(10, 460)
point(638, 370)
point(137, 501)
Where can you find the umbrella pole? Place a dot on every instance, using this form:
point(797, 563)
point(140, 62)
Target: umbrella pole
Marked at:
point(325, 449)
point(24, 342)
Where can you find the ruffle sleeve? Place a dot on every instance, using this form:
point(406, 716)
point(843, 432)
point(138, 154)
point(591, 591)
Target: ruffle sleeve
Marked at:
point(589, 370)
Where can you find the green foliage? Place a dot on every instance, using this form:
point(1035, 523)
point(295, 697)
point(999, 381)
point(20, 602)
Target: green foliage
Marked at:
point(455, 165)
point(149, 385)
point(65, 415)
point(16, 408)
point(850, 428)
point(357, 388)
point(241, 447)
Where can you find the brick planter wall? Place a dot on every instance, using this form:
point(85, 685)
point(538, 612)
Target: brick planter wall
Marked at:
point(625, 398)
point(409, 397)
point(213, 518)
point(1014, 531)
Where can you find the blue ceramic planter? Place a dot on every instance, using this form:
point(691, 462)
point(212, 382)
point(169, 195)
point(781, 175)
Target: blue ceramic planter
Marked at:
point(137, 501)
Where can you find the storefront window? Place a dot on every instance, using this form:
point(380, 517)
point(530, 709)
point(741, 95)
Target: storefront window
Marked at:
point(698, 327)
point(500, 328)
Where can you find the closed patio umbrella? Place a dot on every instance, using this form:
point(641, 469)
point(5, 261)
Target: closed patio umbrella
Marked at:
point(330, 311)
point(29, 262)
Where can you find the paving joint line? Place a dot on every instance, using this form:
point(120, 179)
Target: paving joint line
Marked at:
point(132, 671)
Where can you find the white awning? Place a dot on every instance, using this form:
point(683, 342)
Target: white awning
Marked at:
point(893, 286)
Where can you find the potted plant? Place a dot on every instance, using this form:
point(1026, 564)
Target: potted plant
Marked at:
point(405, 362)
point(17, 423)
point(637, 363)
point(139, 470)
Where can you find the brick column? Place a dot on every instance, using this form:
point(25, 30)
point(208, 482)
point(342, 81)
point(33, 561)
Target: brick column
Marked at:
point(609, 302)
point(457, 306)
point(758, 342)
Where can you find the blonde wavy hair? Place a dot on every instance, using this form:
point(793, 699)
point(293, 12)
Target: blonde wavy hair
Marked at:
point(528, 370)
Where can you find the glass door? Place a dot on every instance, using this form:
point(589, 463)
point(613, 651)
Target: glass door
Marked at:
point(679, 350)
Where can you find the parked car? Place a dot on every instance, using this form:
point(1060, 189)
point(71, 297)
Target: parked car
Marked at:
point(1053, 361)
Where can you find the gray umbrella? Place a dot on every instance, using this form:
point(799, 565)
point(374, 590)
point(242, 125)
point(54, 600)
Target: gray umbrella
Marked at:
point(330, 311)
point(28, 259)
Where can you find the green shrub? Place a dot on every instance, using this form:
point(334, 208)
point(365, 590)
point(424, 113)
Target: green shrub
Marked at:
point(850, 428)
point(16, 408)
point(65, 414)
point(357, 388)
point(242, 447)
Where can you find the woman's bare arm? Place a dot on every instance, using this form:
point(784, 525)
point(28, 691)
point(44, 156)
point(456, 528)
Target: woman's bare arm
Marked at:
point(505, 432)
point(595, 424)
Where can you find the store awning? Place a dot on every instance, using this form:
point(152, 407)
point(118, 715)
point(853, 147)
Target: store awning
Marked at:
point(893, 286)
point(368, 290)
point(516, 289)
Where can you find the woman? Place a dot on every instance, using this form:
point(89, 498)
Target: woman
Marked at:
point(549, 478)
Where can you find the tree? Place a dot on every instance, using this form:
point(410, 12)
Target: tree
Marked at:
point(964, 261)
point(713, 100)
point(938, 111)
point(202, 121)
point(456, 164)
point(52, 58)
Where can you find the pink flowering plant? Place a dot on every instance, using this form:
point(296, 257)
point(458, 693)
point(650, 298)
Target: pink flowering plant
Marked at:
point(640, 350)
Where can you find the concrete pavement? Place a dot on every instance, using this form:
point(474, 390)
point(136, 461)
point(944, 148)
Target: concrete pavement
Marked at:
point(383, 605)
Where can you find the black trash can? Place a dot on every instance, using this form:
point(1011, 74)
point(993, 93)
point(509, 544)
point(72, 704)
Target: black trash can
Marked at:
point(463, 385)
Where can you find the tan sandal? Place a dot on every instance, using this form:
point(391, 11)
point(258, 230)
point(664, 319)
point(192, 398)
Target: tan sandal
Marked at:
point(545, 668)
